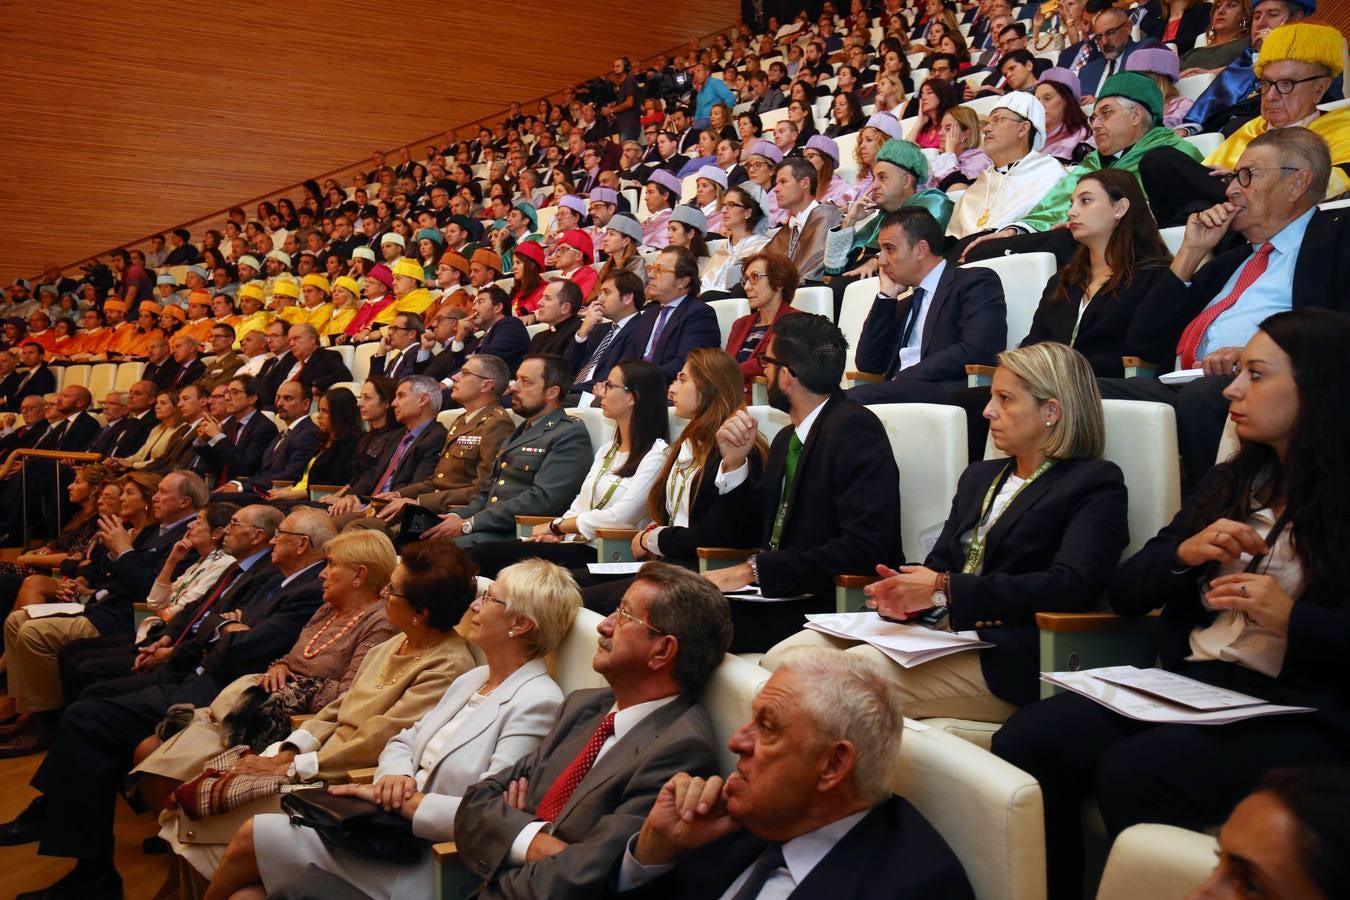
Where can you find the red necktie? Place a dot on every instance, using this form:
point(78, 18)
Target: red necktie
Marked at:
point(384, 483)
point(1190, 338)
point(226, 580)
point(558, 793)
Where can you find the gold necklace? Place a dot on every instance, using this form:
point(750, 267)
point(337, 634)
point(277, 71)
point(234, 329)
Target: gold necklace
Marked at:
point(386, 677)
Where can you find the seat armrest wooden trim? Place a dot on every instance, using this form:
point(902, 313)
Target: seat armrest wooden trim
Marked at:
point(447, 851)
point(725, 553)
point(615, 534)
point(534, 520)
point(871, 377)
point(855, 581)
point(1087, 622)
point(361, 776)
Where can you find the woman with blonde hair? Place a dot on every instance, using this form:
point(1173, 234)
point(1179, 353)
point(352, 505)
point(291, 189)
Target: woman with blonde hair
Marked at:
point(163, 438)
point(1038, 529)
point(346, 302)
point(491, 716)
point(961, 160)
point(621, 240)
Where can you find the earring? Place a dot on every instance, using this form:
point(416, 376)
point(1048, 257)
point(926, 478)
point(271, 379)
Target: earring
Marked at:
point(511, 633)
point(1048, 423)
point(417, 623)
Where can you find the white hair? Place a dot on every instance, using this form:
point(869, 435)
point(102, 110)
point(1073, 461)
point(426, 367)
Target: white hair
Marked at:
point(849, 698)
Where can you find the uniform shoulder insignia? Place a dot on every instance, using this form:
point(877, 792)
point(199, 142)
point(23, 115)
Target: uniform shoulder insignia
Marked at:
point(573, 419)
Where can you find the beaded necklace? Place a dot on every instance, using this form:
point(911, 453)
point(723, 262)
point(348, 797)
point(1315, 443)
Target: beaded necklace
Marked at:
point(309, 652)
point(386, 678)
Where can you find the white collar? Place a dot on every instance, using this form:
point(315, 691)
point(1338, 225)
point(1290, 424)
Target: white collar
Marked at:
point(804, 430)
point(800, 219)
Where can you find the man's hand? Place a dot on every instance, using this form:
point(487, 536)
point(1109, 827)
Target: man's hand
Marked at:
point(451, 526)
point(1206, 228)
point(731, 578)
point(115, 537)
point(428, 340)
point(543, 846)
point(344, 505)
point(1222, 361)
point(265, 765)
point(464, 330)
point(517, 792)
point(689, 813)
point(152, 655)
point(208, 428)
point(991, 236)
point(392, 508)
point(736, 438)
point(592, 316)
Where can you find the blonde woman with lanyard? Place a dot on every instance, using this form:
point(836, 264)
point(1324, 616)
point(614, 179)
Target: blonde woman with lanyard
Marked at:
point(614, 493)
point(1038, 531)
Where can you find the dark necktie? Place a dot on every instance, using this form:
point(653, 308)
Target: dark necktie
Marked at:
point(231, 430)
point(231, 574)
point(656, 332)
point(794, 236)
point(768, 862)
point(384, 483)
point(794, 454)
point(558, 793)
point(905, 310)
point(594, 360)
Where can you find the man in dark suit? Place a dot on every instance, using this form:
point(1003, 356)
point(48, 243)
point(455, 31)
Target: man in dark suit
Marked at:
point(278, 344)
point(410, 459)
point(503, 336)
point(31, 425)
point(952, 318)
point(828, 503)
point(40, 487)
point(577, 810)
point(678, 321)
point(160, 367)
point(317, 369)
point(602, 337)
point(287, 451)
point(669, 158)
point(818, 776)
point(10, 378)
point(81, 776)
point(182, 454)
point(115, 424)
point(31, 645)
point(184, 348)
point(1111, 33)
point(1305, 265)
point(136, 424)
point(234, 448)
point(802, 236)
point(39, 378)
point(558, 310)
point(397, 358)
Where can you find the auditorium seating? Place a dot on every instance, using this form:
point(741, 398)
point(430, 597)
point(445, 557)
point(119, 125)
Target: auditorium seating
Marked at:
point(1156, 861)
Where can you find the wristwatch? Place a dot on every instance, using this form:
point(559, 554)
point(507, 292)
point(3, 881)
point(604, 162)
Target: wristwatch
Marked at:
point(556, 526)
point(939, 595)
point(754, 568)
point(467, 526)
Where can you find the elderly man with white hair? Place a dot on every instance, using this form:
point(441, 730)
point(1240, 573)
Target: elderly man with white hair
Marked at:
point(1014, 136)
point(808, 812)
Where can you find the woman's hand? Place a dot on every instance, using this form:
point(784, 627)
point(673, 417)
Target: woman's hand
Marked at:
point(392, 791)
point(178, 552)
point(265, 765)
point(1259, 597)
point(543, 539)
point(113, 535)
point(1223, 541)
point(275, 678)
point(902, 593)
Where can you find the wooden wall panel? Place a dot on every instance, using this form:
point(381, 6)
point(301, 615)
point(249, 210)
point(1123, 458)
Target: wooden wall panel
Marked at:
point(129, 117)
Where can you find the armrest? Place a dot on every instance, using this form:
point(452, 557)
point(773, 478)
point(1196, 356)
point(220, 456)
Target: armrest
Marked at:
point(1138, 367)
point(710, 558)
point(282, 484)
point(1070, 642)
point(848, 592)
point(533, 520)
point(361, 776)
point(979, 376)
point(297, 721)
point(323, 490)
point(1097, 622)
point(865, 377)
point(855, 582)
point(446, 852)
point(615, 534)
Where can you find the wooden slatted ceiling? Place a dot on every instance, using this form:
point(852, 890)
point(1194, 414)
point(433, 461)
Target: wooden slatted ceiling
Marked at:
point(128, 117)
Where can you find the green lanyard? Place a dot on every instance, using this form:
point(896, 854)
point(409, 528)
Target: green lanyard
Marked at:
point(604, 470)
point(679, 475)
point(975, 555)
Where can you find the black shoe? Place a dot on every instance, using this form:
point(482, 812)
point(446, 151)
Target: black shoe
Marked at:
point(26, 826)
point(80, 885)
point(154, 845)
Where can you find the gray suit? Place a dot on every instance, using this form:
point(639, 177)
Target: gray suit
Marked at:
point(538, 471)
point(604, 811)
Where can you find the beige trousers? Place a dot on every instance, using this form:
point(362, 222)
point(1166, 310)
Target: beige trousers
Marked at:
point(952, 686)
point(30, 654)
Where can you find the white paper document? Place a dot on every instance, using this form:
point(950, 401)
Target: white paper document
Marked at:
point(753, 594)
point(42, 610)
point(908, 645)
point(614, 568)
point(1154, 695)
point(1182, 376)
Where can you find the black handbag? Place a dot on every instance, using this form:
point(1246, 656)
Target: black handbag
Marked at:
point(350, 823)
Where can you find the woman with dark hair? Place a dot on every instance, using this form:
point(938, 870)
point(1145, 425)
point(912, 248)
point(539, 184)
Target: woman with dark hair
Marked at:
point(846, 115)
point(265, 210)
point(936, 97)
point(290, 220)
point(527, 264)
point(213, 259)
point(802, 114)
point(1067, 136)
point(895, 62)
point(339, 423)
point(1286, 839)
point(620, 244)
point(769, 281)
point(743, 222)
point(614, 493)
point(313, 195)
point(748, 127)
point(688, 228)
point(1251, 577)
point(374, 403)
point(800, 90)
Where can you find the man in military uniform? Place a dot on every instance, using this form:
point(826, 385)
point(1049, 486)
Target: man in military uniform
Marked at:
point(540, 467)
point(228, 360)
point(466, 463)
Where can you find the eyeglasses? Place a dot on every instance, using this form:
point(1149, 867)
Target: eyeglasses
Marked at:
point(237, 524)
point(388, 591)
point(625, 611)
point(733, 205)
point(658, 269)
point(765, 360)
point(1243, 176)
point(488, 597)
point(464, 371)
point(754, 277)
point(1283, 85)
point(601, 387)
point(294, 534)
point(1006, 120)
point(1110, 32)
point(400, 328)
point(1102, 113)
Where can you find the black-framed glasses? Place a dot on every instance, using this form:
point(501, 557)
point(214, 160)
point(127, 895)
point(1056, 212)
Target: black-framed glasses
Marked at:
point(400, 328)
point(626, 611)
point(765, 360)
point(1283, 85)
point(294, 534)
point(1243, 176)
point(733, 204)
point(601, 387)
point(1111, 32)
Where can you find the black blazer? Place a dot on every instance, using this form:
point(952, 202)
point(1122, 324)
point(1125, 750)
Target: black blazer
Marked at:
point(161, 373)
point(243, 455)
point(559, 341)
point(966, 324)
point(892, 854)
point(507, 340)
point(405, 365)
point(322, 370)
point(286, 455)
point(36, 381)
point(715, 519)
point(417, 464)
point(578, 354)
point(182, 376)
point(1052, 550)
point(1314, 672)
point(188, 654)
point(275, 615)
point(9, 398)
point(693, 324)
point(844, 512)
point(128, 578)
point(334, 464)
point(123, 437)
point(76, 435)
point(1139, 320)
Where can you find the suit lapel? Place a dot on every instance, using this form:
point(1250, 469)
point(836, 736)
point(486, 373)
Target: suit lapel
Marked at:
point(1025, 500)
point(486, 713)
point(812, 440)
point(944, 289)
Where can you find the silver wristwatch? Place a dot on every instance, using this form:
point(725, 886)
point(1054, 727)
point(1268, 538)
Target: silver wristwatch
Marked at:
point(467, 527)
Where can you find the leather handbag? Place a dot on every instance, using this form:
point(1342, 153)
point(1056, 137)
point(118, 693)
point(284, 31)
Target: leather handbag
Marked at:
point(350, 823)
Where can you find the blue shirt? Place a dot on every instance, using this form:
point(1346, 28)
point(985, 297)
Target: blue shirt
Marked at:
point(1270, 294)
point(714, 91)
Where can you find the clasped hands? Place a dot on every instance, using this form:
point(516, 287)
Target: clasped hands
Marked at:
point(1259, 597)
point(902, 593)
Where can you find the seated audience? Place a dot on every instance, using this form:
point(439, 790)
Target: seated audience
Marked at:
point(678, 320)
point(815, 767)
point(688, 228)
point(744, 221)
point(288, 451)
point(802, 236)
point(339, 424)
point(1068, 136)
point(602, 339)
point(614, 492)
point(171, 591)
point(490, 717)
point(397, 355)
point(374, 403)
point(1160, 64)
point(233, 448)
point(769, 284)
point(559, 309)
point(503, 336)
point(960, 160)
point(1252, 601)
point(620, 243)
point(81, 526)
point(1039, 531)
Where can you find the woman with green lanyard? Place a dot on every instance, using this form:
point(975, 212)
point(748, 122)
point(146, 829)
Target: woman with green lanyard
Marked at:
point(1115, 298)
point(1038, 531)
point(614, 493)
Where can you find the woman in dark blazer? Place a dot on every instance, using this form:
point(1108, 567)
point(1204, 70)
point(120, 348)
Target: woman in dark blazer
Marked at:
point(1251, 577)
point(770, 282)
point(1038, 532)
point(339, 422)
point(686, 509)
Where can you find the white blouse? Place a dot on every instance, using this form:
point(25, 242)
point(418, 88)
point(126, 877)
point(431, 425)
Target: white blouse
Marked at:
point(192, 585)
point(724, 267)
point(435, 749)
point(608, 501)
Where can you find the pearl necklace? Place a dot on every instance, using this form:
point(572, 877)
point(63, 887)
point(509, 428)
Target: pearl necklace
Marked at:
point(309, 652)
